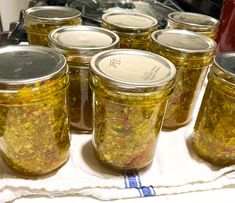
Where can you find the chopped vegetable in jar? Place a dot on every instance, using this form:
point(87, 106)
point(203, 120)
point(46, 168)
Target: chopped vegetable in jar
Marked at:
point(214, 137)
point(126, 129)
point(34, 131)
point(195, 22)
point(129, 103)
point(80, 109)
point(40, 20)
point(133, 29)
point(192, 54)
point(78, 51)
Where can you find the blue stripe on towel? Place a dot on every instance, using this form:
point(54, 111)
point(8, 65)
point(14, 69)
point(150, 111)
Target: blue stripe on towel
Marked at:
point(133, 181)
point(148, 191)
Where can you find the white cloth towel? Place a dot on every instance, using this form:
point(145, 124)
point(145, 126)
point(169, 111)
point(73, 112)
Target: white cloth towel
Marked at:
point(175, 169)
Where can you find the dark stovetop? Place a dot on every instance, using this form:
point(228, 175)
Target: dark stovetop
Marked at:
point(208, 7)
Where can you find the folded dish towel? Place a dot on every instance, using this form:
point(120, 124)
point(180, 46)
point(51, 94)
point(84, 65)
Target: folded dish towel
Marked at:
point(175, 169)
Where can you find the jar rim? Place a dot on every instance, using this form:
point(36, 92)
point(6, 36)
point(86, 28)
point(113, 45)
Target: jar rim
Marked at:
point(72, 13)
point(55, 43)
point(130, 28)
point(136, 84)
point(225, 62)
point(201, 26)
point(207, 44)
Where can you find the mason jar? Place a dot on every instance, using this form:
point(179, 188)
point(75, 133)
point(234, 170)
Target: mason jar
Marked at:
point(134, 29)
point(192, 54)
point(34, 133)
point(195, 22)
point(79, 44)
point(214, 131)
point(130, 93)
point(40, 20)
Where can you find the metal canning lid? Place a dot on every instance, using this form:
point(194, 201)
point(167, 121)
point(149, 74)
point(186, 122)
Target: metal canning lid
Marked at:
point(29, 64)
point(82, 39)
point(131, 21)
point(226, 62)
point(132, 69)
point(183, 40)
point(52, 13)
point(193, 19)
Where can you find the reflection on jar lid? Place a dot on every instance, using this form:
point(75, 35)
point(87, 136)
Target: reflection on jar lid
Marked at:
point(183, 40)
point(29, 64)
point(133, 68)
point(226, 62)
point(193, 19)
point(52, 13)
point(130, 20)
point(80, 38)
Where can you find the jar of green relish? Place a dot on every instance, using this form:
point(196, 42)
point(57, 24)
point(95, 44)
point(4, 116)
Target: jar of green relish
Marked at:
point(214, 131)
point(34, 131)
point(192, 54)
point(195, 22)
point(130, 92)
point(134, 29)
point(40, 20)
point(79, 44)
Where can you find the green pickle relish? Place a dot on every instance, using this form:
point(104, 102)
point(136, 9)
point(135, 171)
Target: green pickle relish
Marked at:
point(40, 20)
point(130, 93)
point(192, 54)
point(214, 131)
point(134, 29)
point(195, 22)
point(79, 44)
point(34, 131)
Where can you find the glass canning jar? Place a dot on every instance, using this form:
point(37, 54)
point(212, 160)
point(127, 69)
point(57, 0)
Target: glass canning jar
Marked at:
point(195, 22)
point(34, 132)
point(130, 93)
point(214, 131)
point(40, 20)
point(192, 54)
point(134, 29)
point(79, 44)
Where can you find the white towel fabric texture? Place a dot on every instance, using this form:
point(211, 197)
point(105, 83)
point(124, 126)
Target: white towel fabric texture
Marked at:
point(175, 169)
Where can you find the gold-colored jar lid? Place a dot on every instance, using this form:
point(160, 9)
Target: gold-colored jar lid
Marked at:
point(194, 20)
point(133, 69)
point(29, 64)
point(51, 13)
point(84, 40)
point(130, 21)
point(183, 41)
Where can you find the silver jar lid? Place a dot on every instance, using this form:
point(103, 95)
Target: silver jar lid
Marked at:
point(196, 20)
point(51, 13)
point(130, 21)
point(133, 69)
point(82, 39)
point(183, 40)
point(29, 64)
point(226, 63)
